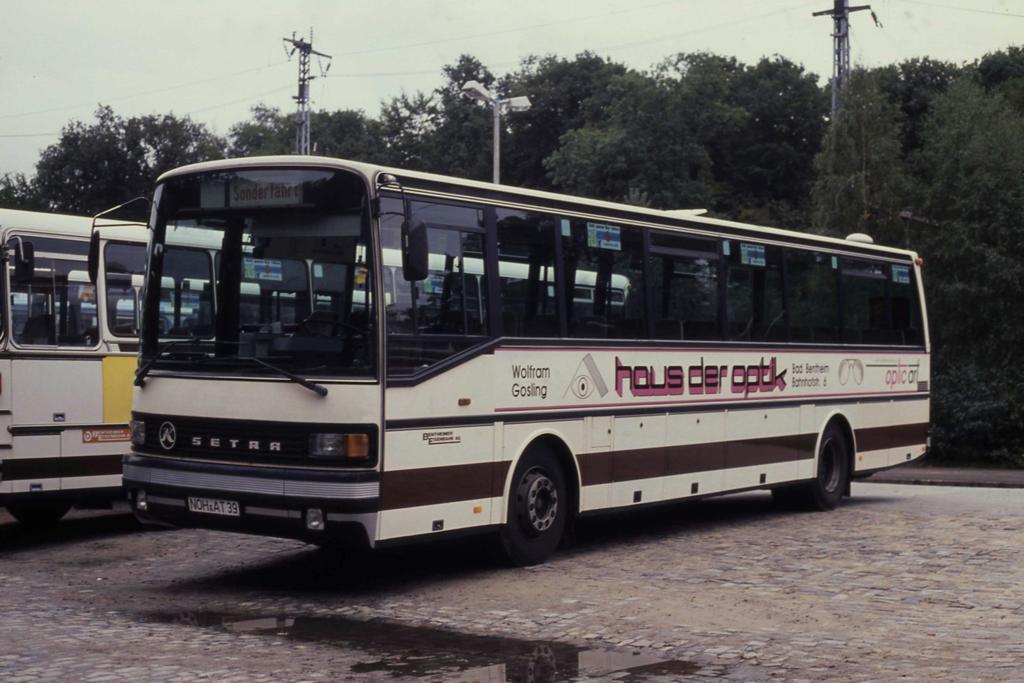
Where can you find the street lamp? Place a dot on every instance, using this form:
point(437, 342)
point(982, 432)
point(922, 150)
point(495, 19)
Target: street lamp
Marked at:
point(474, 90)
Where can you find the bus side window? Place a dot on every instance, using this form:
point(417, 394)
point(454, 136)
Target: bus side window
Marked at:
point(754, 302)
point(124, 265)
point(58, 306)
point(812, 296)
point(431, 319)
point(865, 302)
point(684, 286)
point(604, 268)
point(905, 305)
point(526, 265)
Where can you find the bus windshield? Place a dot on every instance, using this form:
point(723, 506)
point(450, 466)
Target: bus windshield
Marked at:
point(258, 267)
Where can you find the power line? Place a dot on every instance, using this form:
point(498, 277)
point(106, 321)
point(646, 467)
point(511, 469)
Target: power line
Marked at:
point(27, 135)
point(702, 29)
point(973, 10)
point(504, 31)
point(240, 99)
point(385, 74)
point(144, 93)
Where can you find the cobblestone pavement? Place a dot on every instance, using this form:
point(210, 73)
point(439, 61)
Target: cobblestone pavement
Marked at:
point(909, 583)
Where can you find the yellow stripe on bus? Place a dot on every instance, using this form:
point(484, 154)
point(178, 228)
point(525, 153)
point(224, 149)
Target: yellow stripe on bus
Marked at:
point(118, 372)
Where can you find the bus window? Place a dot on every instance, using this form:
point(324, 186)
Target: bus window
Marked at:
point(272, 290)
point(452, 300)
point(447, 312)
point(526, 266)
point(186, 296)
point(905, 305)
point(124, 265)
point(754, 307)
point(812, 296)
point(865, 306)
point(58, 306)
point(684, 286)
point(605, 264)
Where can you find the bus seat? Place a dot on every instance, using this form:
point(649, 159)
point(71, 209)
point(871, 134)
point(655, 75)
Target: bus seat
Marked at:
point(38, 329)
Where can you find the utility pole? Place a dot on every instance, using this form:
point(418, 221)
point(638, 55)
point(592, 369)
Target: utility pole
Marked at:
point(305, 50)
point(840, 14)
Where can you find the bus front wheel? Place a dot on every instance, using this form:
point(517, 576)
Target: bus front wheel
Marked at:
point(538, 507)
point(39, 514)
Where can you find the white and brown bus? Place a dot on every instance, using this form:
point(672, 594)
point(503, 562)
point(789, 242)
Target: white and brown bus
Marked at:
point(391, 355)
point(68, 346)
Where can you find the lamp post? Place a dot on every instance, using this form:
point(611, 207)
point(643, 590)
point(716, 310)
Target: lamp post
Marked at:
point(476, 91)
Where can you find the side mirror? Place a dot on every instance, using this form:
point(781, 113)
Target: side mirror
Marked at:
point(94, 257)
point(415, 252)
point(24, 262)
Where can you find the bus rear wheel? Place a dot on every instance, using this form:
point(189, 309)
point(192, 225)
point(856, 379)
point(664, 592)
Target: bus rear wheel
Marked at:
point(39, 514)
point(826, 489)
point(538, 508)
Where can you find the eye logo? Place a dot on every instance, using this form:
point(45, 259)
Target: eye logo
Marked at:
point(851, 368)
point(587, 379)
point(168, 436)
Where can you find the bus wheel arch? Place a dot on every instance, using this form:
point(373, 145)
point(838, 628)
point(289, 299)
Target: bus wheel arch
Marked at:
point(542, 497)
point(839, 420)
point(832, 469)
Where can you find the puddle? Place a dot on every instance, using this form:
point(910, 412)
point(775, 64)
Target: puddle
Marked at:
point(419, 652)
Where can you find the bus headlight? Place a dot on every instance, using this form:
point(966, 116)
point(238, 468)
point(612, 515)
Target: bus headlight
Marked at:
point(347, 446)
point(138, 433)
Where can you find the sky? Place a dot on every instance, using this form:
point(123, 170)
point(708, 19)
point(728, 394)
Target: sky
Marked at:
point(214, 59)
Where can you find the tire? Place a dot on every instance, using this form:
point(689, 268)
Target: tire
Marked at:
point(538, 508)
point(39, 514)
point(828, 486)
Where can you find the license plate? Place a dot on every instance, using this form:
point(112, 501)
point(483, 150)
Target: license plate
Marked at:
point(212, 506)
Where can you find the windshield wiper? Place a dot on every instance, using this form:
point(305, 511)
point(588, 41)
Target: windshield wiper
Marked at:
point(318, 389)
point(140, 374)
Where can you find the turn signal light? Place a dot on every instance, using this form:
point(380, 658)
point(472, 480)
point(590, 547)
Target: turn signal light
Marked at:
point(357, 446)
point(348, 446)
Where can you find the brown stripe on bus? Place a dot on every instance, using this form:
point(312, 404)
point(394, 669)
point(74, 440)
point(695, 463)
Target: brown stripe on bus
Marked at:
point(51, 468)
point(435, 485)
point(645, 463)
point(878, 438)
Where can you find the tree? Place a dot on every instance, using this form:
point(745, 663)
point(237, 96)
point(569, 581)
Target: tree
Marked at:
point(18, 192)
point(861, 184)
point(911, 86)
point(973, 156)
point(761, 125)
point(1003, 72)
point(95, 166)
point(267, 132)
point(459, 137)
point(348, 134)
point(558, 90)
point(639, 142)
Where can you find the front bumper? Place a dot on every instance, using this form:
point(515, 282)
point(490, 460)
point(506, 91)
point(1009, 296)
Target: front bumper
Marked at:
point(273, 501)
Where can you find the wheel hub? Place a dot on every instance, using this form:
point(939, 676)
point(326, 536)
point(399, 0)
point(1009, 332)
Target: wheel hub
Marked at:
point(538, 502)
